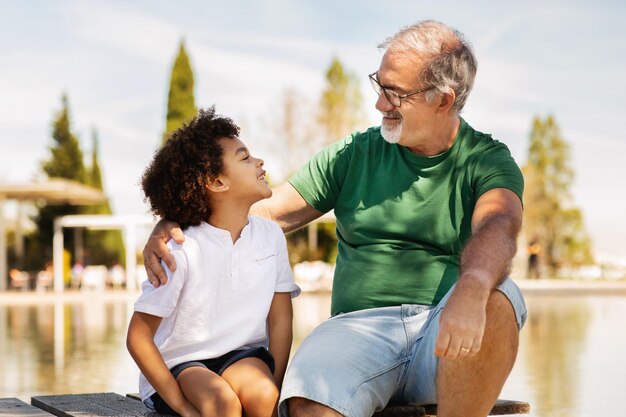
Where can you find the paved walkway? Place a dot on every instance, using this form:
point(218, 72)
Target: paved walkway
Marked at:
point(528, 286)
point(561, 286)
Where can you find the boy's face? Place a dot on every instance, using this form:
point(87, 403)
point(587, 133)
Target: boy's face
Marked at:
point(243, 173)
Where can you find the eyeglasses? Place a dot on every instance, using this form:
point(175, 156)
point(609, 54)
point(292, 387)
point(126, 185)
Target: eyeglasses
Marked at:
point(394, 98)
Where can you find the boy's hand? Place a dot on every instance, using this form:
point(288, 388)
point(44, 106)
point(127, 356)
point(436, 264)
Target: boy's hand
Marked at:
point(156, 250)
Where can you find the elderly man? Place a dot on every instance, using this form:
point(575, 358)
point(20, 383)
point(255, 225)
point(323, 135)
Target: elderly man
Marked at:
point(428, 210)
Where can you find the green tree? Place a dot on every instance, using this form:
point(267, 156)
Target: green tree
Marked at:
point(181, 105)
point(66, 161)
point(295, 131)
point(94, 175)
point(550, 216)
point(105, 247)
point(340, 113)
point(341, 103)
point(67, 157)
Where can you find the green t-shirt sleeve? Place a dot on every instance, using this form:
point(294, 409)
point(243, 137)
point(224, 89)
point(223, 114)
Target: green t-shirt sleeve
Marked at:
point(496, 168)
point(321, 179)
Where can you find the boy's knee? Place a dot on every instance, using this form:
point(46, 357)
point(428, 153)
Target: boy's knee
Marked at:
point(223, 399)
point(263, 392)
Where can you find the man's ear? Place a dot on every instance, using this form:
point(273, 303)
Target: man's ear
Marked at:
point(447, 100)
point(217, 185)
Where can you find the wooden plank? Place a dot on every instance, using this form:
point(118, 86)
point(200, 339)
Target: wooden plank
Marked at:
point(134, 396)
point(501, 407)
point(14, 407)
point(401, 411)
point(106, 404)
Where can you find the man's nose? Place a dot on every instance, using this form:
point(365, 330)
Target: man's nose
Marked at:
point(382, 104)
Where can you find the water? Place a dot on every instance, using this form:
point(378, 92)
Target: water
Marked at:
point(570, 363)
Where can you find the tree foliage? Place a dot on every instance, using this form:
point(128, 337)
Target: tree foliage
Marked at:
point(67, 158)
point(550, 216)
point(66, 161)
point(181, 106)
point(94, 175)
point(104, 247)
point(341, 103)
point(340, 113)
point(295, 131)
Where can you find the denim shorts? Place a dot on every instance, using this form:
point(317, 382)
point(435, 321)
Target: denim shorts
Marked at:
point(358, 362)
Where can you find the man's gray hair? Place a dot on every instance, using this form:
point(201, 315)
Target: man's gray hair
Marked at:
point(448, 60)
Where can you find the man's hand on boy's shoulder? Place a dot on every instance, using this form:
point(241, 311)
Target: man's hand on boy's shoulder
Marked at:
point(156, 250)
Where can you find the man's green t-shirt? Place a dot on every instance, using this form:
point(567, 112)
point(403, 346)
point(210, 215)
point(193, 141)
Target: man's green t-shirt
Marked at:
point(402, 219)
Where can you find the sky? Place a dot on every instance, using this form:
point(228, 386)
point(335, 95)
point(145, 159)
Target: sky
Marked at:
point(113, 60)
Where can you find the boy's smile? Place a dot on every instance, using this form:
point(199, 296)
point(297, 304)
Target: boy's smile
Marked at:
point(243, 174)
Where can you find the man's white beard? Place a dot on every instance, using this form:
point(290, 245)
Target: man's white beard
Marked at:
point(391, 134)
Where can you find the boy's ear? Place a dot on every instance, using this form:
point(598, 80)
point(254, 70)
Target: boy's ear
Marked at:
point(217, 185)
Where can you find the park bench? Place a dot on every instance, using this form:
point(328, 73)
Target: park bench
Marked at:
point(110, 404)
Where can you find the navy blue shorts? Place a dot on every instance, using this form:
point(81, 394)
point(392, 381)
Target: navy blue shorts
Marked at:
point(217, 365)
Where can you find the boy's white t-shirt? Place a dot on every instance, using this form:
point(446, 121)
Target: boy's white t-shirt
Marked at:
point(219, 297)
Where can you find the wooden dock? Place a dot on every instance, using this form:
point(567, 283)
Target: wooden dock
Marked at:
point(110, 404)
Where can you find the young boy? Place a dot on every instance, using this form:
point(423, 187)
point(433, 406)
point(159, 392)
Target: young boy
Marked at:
point(215, 339)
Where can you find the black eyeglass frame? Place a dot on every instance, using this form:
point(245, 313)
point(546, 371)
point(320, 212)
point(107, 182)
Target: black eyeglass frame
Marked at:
point(394, 98)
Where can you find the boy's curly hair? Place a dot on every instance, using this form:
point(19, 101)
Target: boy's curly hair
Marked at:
point(175, 182)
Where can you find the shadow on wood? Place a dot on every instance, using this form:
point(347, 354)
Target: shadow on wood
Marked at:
point(110, 404)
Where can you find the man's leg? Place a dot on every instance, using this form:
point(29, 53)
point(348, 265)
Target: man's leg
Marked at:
point(470, 386)
point(301, 407)
point(349, 365)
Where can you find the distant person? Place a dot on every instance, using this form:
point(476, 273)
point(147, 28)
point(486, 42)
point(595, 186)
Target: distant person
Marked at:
point(19, 279)
point(77, 274)
point(428, 211)
point(45, 277)
point(214, 340)
point(534, 251)
point(117, 275)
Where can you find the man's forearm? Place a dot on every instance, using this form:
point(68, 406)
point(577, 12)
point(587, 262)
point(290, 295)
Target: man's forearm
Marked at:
point(486, 259)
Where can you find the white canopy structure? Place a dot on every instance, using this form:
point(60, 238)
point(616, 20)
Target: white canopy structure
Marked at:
point(52, 191)
point(128, 224)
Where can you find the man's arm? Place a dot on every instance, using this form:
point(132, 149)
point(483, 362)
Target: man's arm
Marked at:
point(485, 261)
point(286, 207)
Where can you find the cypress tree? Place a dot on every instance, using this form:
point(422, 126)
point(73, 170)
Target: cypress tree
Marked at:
point(94, 178)
point(104, 247)
point(66, 161)
point(67, 157)
point(181, 106)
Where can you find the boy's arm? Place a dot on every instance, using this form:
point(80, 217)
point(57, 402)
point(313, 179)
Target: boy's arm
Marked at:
point(280, 332)
point(286, 207)
point(140, 344)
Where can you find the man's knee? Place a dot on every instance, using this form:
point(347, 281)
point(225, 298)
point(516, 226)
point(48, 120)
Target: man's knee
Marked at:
point(501, 328)
point(500, 309)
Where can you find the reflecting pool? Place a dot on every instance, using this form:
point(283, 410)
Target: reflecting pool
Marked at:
point(571, 358)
